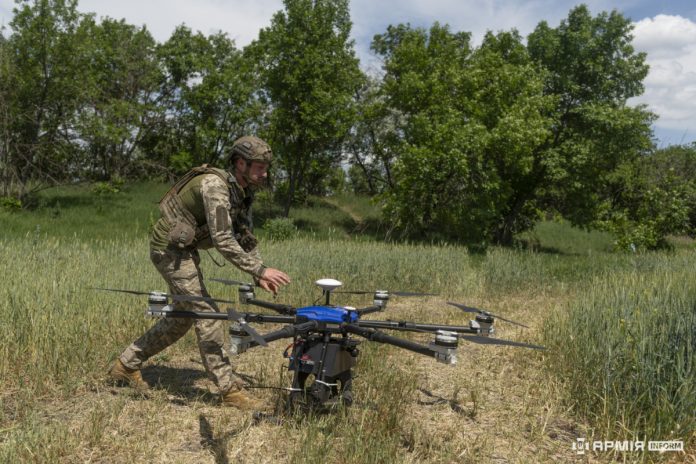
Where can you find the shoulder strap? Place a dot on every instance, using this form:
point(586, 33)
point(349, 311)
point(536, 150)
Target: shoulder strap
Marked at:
point(197, 171)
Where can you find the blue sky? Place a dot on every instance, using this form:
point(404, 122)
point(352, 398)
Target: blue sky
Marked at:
point(665, 30)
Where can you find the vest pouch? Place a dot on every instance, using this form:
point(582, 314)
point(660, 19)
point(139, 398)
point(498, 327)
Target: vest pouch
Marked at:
point(181, 234)
point(246, 240)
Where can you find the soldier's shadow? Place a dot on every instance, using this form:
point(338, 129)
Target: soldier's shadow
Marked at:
point(179, 383)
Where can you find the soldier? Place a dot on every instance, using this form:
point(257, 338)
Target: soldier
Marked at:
point(207, 207)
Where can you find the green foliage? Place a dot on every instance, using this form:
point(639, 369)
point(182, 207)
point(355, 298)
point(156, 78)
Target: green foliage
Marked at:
point(655, 197)
point(105, 188)
point(309, 74)
point(280, 229)
point(207, 96)
point(119, 107)
point(492, 137)
point(359, 181)
point(40, 93)
point(10, 203)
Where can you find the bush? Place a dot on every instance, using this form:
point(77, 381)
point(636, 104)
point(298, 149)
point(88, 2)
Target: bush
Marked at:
point(10, 204)
point(105, 188)
point(280, 229)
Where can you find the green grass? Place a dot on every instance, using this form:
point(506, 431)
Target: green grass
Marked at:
point(627, 349)
point(75, 212)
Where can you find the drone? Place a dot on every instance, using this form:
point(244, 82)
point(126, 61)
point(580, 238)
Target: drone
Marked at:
point(325, 337)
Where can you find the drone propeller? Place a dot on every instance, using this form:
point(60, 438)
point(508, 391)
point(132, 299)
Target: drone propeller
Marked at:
point(365, 292)
point(469, 309)
point(232, 282)
point(498, 341)
point(235, 315)
point(168, 295)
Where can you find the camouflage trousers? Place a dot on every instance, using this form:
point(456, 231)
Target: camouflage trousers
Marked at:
point(182, 273)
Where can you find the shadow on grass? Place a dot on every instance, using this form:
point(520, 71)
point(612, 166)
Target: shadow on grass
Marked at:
point(179, 382)
point(216, 445)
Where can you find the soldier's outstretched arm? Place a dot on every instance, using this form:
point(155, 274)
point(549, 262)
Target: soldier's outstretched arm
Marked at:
point(216, 201)
point(273, 279)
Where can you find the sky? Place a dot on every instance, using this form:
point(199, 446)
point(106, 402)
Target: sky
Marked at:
point(666, 31)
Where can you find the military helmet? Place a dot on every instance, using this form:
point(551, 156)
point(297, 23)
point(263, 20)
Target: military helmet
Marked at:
point(251, 148)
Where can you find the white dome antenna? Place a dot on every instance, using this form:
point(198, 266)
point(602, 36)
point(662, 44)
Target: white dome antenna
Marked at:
point(328, 286)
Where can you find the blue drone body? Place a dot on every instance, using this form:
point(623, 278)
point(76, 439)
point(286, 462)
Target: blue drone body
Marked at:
point(328, 314)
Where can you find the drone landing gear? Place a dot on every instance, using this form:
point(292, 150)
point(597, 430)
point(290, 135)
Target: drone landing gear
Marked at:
point(323, 372)
point(311, 394)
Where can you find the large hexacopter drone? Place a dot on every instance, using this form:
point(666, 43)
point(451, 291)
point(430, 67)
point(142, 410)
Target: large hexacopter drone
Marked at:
point(324, 347)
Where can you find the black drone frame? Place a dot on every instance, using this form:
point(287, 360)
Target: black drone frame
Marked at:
point(323, 347)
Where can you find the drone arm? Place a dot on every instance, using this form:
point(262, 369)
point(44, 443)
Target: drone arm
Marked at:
point(190, 314)
point(369, 309)
point(263, 318)
point(380, 337)
point(287, 332)
point(416, 327)
point(280, 308)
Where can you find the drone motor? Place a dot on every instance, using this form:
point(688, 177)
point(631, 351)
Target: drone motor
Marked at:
point(246, 293)
point(381, 298)
point(484, 323)
point(157, 304)
point(445, 345)
point(239, 340)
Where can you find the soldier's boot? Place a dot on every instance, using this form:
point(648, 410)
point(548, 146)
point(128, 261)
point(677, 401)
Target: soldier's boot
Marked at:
point(120, 373)
point(237, 397)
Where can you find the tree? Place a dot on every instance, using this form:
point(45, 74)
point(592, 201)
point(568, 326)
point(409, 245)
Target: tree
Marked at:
point(494, 136)
point(44, 93)
point(309, 75)
point(592, 71)
point(657, 198)
point(120, 78)
point(208, 93)
point(373, 139)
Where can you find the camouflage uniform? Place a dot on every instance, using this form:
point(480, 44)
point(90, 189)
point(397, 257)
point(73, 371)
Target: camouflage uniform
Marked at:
point(221, 212)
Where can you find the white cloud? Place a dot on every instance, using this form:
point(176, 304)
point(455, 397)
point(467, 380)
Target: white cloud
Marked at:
point(241, 19)
point(670, 87)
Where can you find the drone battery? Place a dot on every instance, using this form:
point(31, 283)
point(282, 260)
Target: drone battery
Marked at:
point(337, 360)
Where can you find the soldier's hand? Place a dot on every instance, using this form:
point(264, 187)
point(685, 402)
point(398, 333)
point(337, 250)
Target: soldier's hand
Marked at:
point(272, 279)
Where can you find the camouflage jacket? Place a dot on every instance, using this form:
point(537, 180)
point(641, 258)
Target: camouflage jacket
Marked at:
point(210, 212)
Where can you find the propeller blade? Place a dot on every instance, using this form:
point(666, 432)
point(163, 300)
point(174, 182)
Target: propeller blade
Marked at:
point(244, 325)
point(470, 309)
point(132, 292)
point(168, 295)
point(365, 292)
point(412, 294)
point(498, 341)
point(234, 314)
point(198, 298)
point(231, 282)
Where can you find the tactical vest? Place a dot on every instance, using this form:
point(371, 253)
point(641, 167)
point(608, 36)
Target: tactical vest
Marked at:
point(184, 230)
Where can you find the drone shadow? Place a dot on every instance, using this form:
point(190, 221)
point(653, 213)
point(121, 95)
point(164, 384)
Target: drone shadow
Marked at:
point(453, 404)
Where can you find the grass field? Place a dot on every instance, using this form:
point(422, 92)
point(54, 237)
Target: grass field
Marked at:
point(620, 331)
